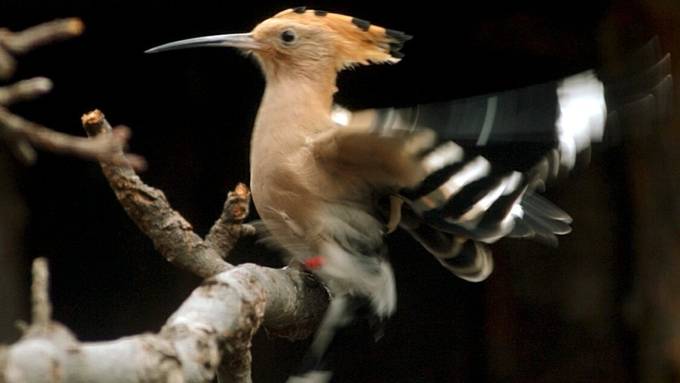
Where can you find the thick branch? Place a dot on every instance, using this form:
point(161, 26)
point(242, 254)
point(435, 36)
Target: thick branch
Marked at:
point(212, 329)
point(217, 320)
point(236, 366)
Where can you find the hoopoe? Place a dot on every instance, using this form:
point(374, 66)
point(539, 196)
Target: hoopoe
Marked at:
point(329, 183)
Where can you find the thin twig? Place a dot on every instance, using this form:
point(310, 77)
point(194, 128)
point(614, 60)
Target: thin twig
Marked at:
point(24, 90)
point(20, 135)
point(41, 34)
point(7, 64)
point(20, 148)
point(41, 308)
point(104, 148)
point(230, 225)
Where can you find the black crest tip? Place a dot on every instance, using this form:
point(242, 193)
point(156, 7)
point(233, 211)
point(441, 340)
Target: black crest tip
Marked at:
point(396, 54)
point(398, 35)
point(362, 24)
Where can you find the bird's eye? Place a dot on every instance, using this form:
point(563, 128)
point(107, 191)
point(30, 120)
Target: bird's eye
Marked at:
point(288, 36)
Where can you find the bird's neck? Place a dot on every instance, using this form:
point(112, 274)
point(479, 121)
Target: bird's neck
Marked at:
point(310, 89)
point(295, 107)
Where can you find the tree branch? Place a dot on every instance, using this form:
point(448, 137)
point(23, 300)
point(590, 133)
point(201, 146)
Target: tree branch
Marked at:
point(214, 326)
point(217, 320)
point(7, 64)
point(39, 35)
point(40, 301)
point(211, 330)
point(230, 225)
point(22, 135)
point(174, 238)
point(148, 207)
point(24, 90)
point(101, 149)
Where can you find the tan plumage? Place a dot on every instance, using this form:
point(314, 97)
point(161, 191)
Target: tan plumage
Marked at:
point(314, 182)
point(317, 171)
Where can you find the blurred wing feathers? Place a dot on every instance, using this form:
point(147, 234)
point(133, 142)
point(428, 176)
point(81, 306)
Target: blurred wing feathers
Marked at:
point(495, 151)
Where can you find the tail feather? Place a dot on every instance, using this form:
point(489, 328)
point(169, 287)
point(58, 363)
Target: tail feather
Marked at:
point(465, 205)
point(466, 259)
point(540, 230)
point(538, 204)
point(521, 229)
point(474, 261)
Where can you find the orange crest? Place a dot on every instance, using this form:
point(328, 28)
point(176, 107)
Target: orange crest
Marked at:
point(359, 42)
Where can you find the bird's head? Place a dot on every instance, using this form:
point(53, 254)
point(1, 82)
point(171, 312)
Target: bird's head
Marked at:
point(306, 41)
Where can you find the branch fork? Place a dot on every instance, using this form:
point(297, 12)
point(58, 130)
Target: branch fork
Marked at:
point(210, 333)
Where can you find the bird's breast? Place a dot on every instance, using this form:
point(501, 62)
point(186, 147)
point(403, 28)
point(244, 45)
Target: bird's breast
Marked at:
point(283, 198)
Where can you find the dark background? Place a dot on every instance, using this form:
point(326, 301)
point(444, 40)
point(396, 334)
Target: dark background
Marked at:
point(545, 315)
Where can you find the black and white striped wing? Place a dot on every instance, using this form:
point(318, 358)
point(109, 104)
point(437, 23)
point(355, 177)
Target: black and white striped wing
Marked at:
point(493, 152)
point(496, 151)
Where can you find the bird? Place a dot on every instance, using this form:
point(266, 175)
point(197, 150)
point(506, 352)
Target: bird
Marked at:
point(329, 183)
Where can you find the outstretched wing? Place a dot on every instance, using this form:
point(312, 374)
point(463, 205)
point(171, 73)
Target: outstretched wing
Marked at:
point(496, 151)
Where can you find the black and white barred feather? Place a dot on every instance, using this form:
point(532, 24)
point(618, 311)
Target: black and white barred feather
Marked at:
point(496, 152)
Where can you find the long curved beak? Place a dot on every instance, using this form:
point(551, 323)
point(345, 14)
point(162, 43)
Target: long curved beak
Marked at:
point(235, 40)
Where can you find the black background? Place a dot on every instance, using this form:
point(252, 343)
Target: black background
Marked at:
point(191, 114)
